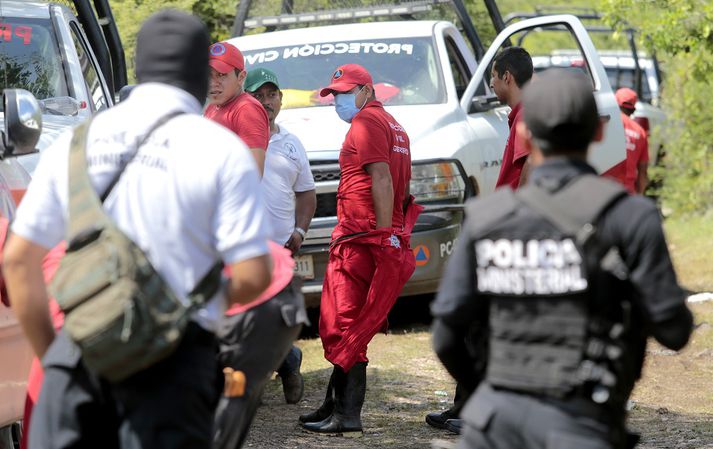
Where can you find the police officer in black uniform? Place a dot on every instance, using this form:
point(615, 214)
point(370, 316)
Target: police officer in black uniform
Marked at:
point(572, 275)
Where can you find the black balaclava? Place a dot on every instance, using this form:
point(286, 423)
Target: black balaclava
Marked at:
point(172, 48)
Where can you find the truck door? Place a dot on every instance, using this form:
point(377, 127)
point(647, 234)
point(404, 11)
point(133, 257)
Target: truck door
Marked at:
point(94, 82)
point(542, 37)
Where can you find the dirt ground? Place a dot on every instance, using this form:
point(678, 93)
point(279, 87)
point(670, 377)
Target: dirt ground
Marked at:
point(672, 408)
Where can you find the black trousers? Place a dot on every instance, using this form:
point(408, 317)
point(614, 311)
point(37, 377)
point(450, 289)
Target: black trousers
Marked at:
point(499, 419)
point(167, 406)
point(256, 343)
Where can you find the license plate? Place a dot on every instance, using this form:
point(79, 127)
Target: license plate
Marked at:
point(304, 267)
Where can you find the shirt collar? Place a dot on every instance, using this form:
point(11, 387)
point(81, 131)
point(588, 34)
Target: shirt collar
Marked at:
point(161, 97)
point(513, 113)
point(279, 135)
point(554, 173)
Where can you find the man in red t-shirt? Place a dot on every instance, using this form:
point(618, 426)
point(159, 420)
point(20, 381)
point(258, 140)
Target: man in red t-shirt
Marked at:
point(512, 68)
point(369, 259)
point(637, 145)
point(231, 106)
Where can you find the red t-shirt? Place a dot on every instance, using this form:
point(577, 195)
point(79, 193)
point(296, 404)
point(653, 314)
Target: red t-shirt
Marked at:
point(246, 117)
point(515, 153)
point(637, 150)
point(373, 137)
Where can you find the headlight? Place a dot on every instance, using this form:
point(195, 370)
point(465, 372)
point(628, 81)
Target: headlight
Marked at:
point(440, 181)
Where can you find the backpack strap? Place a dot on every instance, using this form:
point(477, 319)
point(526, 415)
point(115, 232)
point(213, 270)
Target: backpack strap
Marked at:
point(86, 214)
point(578, 204)
point(85, 206)
point(139, 143)
point(208, 285)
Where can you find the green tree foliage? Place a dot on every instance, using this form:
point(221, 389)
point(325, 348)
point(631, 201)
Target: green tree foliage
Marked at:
point(681, 33)
point(130, 14)
point(218, 15)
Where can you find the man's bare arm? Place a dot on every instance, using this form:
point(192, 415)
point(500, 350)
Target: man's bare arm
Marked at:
point(259, 156)
point(382, 193)
point(305, 206)
point(249, 278)
point(22, 268)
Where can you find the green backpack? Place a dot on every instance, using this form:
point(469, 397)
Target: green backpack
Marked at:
point(118, 309)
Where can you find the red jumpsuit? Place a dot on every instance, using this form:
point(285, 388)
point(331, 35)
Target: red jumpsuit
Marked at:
point(367, 268)
point(637, 151)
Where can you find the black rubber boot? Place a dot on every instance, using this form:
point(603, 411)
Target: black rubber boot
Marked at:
point(454, 426)
point(349, 392)
point(293, 385)
point(438, 420)
point(324, 410)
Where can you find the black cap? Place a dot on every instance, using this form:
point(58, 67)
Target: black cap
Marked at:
point(560, 111)
point(172, 48)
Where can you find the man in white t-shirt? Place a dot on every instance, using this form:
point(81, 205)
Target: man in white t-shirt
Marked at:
point(188, 199)
point(287, 183)
point(290, 197)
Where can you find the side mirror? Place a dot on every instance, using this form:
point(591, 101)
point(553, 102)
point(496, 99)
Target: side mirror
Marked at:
point(483, 103)
point(23, 122)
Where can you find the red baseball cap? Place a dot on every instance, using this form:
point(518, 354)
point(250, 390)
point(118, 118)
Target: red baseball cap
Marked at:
point(626, 98)
point(225, 57)
point(346, 78)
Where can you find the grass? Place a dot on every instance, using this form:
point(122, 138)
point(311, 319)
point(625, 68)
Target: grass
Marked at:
point(691, 244)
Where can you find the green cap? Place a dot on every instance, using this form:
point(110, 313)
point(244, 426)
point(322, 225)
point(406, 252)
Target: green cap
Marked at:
point(259, 76)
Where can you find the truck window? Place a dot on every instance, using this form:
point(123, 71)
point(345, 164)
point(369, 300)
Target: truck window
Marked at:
point(405, 70)
point(30, 59)
point(461, 75)
point(91, 77)
point(626, 77)
point(554, 46)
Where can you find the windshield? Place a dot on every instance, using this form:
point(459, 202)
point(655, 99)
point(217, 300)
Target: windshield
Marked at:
point(29, 57)
point(405, 70)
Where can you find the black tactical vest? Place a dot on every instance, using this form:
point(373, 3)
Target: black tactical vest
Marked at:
point(539, 264)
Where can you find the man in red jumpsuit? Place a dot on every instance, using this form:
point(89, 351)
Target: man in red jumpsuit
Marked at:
point(369, 259)
point(637, 146)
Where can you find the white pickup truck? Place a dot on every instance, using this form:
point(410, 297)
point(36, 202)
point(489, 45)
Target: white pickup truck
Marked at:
point(428, 78)
point(45, 51)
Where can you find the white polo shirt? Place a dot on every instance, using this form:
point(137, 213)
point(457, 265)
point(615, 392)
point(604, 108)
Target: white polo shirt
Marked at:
point(286, 172)
point(190, 197)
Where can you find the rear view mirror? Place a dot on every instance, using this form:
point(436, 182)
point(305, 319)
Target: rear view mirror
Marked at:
point(23, 122)
point(483, 103)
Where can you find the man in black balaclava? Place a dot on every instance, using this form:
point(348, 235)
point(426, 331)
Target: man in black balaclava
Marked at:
point(172, 48)
point(187, 210)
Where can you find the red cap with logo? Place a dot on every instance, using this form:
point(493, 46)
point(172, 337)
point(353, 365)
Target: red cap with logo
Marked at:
point(346, 78)
point(225, 57)
point(626, 98)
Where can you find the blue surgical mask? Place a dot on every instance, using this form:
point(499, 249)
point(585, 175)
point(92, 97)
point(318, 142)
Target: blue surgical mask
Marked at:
point(345, 104)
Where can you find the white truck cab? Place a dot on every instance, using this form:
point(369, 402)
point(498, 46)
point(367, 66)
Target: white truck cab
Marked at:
point(429, 80)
